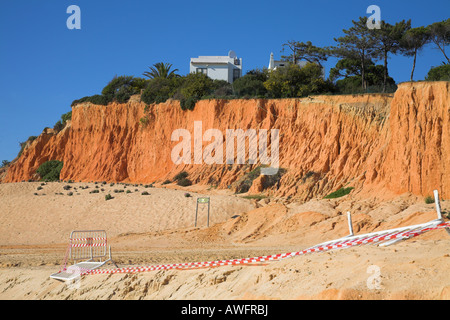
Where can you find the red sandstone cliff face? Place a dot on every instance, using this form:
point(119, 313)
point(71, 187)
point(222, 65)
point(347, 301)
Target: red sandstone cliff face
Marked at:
point(398, 143)
point(416, 158)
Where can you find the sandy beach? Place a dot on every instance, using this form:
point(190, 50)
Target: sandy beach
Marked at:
point(159, 228)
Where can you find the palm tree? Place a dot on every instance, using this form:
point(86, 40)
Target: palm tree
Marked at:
point(161, 70)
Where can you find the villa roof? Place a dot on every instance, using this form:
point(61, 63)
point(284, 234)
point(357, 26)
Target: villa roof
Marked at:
point(212, 59)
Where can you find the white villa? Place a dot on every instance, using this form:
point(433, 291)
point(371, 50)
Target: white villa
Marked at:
point(227, 68)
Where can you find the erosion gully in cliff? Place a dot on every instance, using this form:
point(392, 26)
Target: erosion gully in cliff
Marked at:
point(372, 142)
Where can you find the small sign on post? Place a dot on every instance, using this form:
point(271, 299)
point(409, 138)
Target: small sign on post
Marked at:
point(203, 200)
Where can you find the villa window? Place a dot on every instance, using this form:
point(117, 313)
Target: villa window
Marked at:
point(236, 74)
point(202, 70)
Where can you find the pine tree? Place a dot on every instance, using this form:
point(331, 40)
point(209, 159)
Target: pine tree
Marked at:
point(412, 42)
point(388, 41)
point(358, 43)
point(440, 35)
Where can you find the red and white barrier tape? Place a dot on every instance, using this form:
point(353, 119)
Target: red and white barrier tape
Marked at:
point(338, 244)
point(88, 242)
point(82, 245)
point(89, 239)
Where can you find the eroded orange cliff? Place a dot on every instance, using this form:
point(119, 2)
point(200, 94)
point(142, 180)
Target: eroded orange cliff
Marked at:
point(372, 142)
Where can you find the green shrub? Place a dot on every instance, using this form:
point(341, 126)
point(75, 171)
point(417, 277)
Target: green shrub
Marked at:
point(251, 84)
point(352, 85)
point(339, 193)
point(221, 89)
point(145, 193)
point(167, 182)
point(24, 144)
point(315, 86)
point(108, 197)
point(121, 88)
point(184, 182)
point(181, 175)
point(98, 99)
point(160, 89)
point(66, 117)
point(295, 81)
point(78, 101)
point(144, 121)
point(197, 85)
point(95, 99)
point(58, 126)
point(348, 70)
point(50, 170)
point(429, 199)
point(188, 103)
point(194, 87)
point(5, 163)
point(439, 73)
point(61, 124)
point(187, 89)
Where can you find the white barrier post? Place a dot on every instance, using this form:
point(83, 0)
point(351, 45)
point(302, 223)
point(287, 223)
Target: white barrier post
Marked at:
point(438, 205)
point(438, 208)
point(350, 225)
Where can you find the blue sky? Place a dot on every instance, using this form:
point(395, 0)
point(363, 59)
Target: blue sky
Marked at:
point(44, 66)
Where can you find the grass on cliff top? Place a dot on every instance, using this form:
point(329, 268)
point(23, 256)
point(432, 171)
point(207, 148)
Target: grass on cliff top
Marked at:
point(339, 193)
